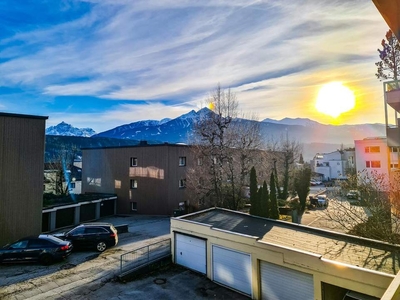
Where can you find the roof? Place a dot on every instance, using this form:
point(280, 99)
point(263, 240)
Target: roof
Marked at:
point(3, 114)
point(344, 248)
point(141, 144)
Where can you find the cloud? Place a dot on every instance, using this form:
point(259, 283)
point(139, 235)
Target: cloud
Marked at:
point(273, 54)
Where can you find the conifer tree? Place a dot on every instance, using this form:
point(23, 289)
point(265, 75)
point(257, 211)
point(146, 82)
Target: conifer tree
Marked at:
point(253, 192)
point(274, 212)
point(264, 201)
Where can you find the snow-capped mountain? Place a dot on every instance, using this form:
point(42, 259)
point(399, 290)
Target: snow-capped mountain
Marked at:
point(68, 130)
point(177, 130)
point(297, 121)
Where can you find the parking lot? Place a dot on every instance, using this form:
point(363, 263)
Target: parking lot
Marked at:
point(92, 275)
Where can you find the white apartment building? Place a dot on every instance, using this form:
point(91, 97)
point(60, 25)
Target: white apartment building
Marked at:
point(374, 155)
point(333, 165)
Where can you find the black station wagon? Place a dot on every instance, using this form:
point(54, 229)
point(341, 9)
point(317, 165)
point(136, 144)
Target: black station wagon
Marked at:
point(97, 236)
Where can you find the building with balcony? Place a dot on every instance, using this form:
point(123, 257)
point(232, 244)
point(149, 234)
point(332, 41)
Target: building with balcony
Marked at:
point(374, 155)
point(333, 165)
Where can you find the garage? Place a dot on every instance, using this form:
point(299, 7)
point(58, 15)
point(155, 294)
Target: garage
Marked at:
point(190, 252)
point(232, 268)
point(283, 283)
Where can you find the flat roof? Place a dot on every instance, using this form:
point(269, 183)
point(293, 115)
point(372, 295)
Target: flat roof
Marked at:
point(344, 248)
point(140, 144)
point(3, 114)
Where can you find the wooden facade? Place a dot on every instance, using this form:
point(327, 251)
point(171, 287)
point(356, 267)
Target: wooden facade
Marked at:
point(148, 179)
point(22, 141)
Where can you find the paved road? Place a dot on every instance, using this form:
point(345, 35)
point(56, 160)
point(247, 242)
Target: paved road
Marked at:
point(89, 275)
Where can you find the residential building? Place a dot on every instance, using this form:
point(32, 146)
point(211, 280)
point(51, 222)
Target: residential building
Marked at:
point(158, 179)
point(21, 175)
point(147, 179)
point(271, 259)
point(374, 156)
point(59, 181)
point(333, 165)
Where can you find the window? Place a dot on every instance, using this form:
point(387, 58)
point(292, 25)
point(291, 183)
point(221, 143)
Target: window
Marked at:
point(134, 206)
point(72, 185)
point(394, 166)
point(182, 183)
point(338, 163)
point(372, 149)
point(394, 149)
point(201, 181)
point(133, 161)
point(133, 184)
point(182, 161)
point(375, 164)
point(200, 161)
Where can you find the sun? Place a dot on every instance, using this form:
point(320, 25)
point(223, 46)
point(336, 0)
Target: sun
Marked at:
point(334, 99)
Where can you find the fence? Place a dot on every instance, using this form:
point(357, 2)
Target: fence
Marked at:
point(143, 256)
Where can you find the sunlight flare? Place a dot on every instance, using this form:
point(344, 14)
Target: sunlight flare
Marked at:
point(334, 99)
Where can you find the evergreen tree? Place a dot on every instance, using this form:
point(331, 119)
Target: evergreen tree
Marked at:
point(274, 212)
point(302, 188)
point(253, 192)
point(264, 201)
point(301, 159)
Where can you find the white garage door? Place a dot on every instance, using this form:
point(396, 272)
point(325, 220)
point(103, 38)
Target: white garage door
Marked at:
point(232, 268)
point(283, 283)
point(190, 252)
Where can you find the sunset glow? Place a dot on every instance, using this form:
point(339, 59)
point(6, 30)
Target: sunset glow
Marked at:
point(334, 99)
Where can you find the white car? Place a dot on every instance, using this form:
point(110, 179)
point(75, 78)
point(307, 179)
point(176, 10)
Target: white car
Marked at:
point(322, 200)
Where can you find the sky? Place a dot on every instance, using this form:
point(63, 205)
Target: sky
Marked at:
point(105, 63)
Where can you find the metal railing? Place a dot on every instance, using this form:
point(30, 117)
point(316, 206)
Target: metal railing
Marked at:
point(143, 256)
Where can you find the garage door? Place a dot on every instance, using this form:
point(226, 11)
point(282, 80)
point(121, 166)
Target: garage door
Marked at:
point(190, 252)
point(283, 283)
point(232, 268)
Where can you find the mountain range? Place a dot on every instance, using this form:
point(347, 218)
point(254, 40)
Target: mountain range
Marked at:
point(180, 130)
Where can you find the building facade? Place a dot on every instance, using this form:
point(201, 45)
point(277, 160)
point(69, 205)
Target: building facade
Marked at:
point(333, 165)
point(374, 156)
point(147, 179)
point(22, 140)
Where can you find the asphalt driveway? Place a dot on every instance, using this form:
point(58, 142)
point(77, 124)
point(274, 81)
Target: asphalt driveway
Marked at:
point(92, 275)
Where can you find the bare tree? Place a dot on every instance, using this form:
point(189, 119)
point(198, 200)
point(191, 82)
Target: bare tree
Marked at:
point(288, 152)
point(60, 167)
point(375, 211)
point(226, 146)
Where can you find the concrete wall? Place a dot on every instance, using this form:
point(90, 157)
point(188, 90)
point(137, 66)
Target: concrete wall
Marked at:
point(323, 270)
point(22, 141)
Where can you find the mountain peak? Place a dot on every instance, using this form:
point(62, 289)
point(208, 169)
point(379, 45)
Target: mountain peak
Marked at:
point(66, 129)
point(293, 121)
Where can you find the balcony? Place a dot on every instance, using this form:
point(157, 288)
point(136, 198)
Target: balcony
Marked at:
point(393, 99)
point(393, 136)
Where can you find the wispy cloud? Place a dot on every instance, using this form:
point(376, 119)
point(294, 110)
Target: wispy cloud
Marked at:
point(269, 52)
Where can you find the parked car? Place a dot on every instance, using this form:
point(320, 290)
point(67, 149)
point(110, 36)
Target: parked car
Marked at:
point(353, 194)
point(322, 200)
point(97, 236)
point(314, 182)
point(43, 248)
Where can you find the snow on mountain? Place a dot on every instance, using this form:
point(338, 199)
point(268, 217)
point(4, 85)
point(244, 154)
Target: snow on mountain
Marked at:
point(297, 121)
point(68, 130)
